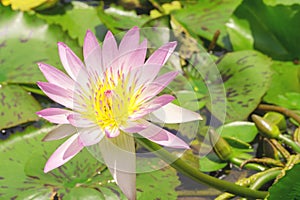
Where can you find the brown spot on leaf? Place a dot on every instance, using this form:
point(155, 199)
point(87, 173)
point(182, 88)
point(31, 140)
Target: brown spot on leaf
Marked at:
point(2, 44)
point(246, 67)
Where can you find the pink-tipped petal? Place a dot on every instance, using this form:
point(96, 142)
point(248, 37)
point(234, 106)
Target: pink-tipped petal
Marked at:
point(119, 155)
point(92, 53)
point(78, 121)
point(161, 55)
point(153, 105)
point(109, 50)
point(55, 115)
point(91, 136)
point(73, 149)
point(130, 41)
point(60, 132)
point(172, 113)
point(57, 94)
point(56, 77)
point(90, 43)
point(157, 85)
point(57, 158)
point(133, 127)
point(135, 58)
point(160, 136)
point(69, 60)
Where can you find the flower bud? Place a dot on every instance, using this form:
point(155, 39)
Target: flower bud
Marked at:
point(220, 146)
point(266, 128)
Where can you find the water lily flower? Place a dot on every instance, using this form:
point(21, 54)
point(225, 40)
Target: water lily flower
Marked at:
point(109, 98)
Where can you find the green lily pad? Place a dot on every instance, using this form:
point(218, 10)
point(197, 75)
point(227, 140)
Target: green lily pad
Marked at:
point(204, 18)
point(244, 131)
point(26, 40)
point(211, 163)
point(149, 185)
point(238, 146)
point(246, 76)
point(190, 100)
point(117, 20)
point(265, 23)
point(285, 85)
point(281, 2)
point(16, 106)
point(287, 187)
point(75, 18)
point(240, 33)
point(83, 177)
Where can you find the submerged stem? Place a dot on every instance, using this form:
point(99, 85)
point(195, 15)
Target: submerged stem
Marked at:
point(197, 175)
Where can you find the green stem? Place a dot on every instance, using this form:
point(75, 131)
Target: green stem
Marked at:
point(271, 175)
point(289, 142)
point(198, 176)
point(238, 162)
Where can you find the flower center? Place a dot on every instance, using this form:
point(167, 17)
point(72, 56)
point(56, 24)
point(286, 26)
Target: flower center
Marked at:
point(115, 99)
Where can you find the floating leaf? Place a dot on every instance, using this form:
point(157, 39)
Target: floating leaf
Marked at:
point(76, 18)
point(287, 187)
point(190, 100)
point(116, 19)
point(211, 163)
point(83, 177)
point(240, 34)
point(246, 76)
point(16, 106)
point(204, 18)
point(244, 131)
point(285, 85)
point(281, 2)
point(26, 40)
point(159, 184)
point(265, 23)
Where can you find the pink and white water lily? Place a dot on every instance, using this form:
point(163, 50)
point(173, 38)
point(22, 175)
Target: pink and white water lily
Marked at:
point(108, 98)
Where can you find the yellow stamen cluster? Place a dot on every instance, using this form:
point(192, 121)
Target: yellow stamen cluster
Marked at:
point(114, 100)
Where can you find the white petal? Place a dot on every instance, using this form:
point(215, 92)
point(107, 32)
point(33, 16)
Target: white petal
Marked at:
point(163, 137)
point(60, 132)
point(119, 155)
point(77, 120)
point(90, 136)
point(172, 113)
point(133, 126)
